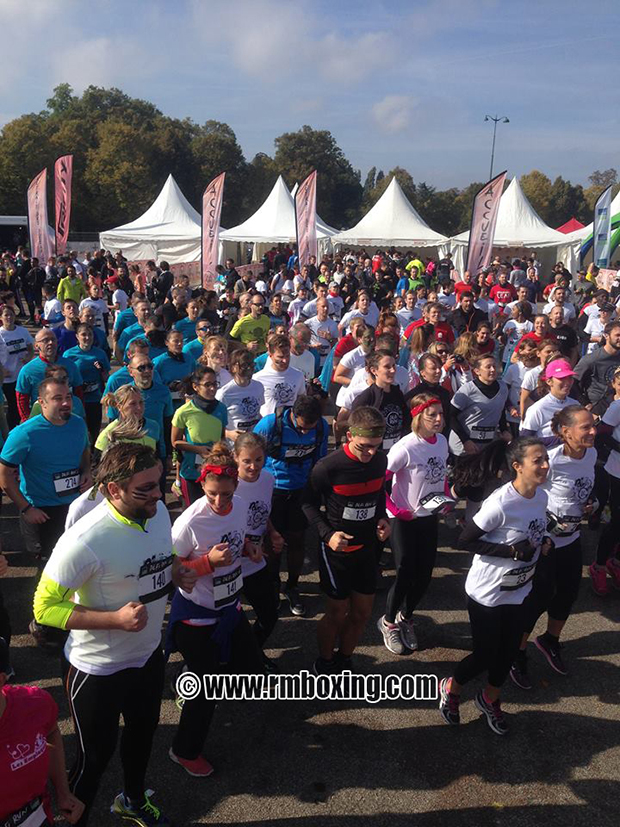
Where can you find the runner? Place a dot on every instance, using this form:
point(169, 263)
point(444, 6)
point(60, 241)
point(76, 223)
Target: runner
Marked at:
point(281, 383)
point(506, 536)
point(243, 396)
point(32, 374)
point(608, 551)
point(174, 366)
point(31, 756)
point(558, 378)
point(187, 325)
point(118, 561)
point(352, 529)
point(196, 426)
point(94, 368)
point(386, 396)
point(417, 465)
point(547, 351)
point(255, 489)
point(252, 329)
point(297, 439)
point(558, 575)
point(215, 356)
point(131, 425)
point(194, 348)
point(206, 623)
point(19, 350)
point(526, 358)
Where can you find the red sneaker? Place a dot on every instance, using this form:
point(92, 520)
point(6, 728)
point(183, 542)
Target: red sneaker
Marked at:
point(198, 767)
point(613, 567)
point(599, 579)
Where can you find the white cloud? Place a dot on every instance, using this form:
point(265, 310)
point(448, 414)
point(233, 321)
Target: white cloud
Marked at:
point(393, 113)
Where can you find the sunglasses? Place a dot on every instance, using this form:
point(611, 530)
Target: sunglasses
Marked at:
point(144, 368)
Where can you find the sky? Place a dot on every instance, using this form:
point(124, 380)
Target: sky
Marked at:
point(398, 83)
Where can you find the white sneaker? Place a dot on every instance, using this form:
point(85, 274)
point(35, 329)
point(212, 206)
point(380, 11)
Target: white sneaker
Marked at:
point(407, 631)
point(391, 636)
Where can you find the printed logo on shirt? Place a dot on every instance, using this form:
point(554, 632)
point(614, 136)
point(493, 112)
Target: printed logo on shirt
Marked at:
point(435, 469)
point(283, 393)
point(23, 754)
point(536, 531)
point(258, 513)
point(393, 419)
point(250, 407)
point(235, 543)
point(582, 487)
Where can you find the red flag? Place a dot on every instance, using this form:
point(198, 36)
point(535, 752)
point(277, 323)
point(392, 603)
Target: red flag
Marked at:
point(211, 211)
point(305, 219)
point(63, 173)
point(483, 221)
point(41, 245)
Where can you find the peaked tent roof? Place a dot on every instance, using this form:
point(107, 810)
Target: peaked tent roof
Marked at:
point(170, 229)
point(518, 223)
point(570, 226)
point(274, 220)
point(391, 221)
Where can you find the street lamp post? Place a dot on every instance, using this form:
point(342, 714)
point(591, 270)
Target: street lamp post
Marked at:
point(495, 120)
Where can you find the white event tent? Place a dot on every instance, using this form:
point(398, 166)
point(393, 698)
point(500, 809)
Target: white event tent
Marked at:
point(520, 230)
point(169, 230)
point(393, 222)
point(272, 223)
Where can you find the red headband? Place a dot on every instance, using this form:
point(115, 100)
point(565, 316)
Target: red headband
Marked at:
point(218, 470)
point(423, 406)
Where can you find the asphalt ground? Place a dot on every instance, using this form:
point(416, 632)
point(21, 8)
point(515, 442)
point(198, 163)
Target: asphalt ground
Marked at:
point(339, 763)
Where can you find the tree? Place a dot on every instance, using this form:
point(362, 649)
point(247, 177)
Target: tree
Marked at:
point(537, 189)
point(369, 185)
point(603, 179)
point(339, 189)
point(214, 149)
point(465, 205)
point(261, 176)
point(567, 201)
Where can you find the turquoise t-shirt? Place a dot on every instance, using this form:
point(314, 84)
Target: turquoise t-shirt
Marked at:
point(33, 373)
point(48, 457)
point(194, 349)
point(187, 328)
point(92, 376)
point(171, 370)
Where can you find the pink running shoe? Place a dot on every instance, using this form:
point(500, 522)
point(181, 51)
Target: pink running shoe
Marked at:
point(613, 567)
point(599, 580)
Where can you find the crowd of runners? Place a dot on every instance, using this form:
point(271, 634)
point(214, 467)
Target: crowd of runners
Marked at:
point(360, 399)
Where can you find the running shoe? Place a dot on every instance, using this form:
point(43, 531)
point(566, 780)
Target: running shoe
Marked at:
point(391, 636)
point(294, 601)
point(552, 652)
point(344, 663)
point(325, 667)
point(599, 579)
point(407, 631)
point(148, 815)
point(270, 666)
point(198, 767)
point(493, 712)
point(518, 672)
point(448, 704)
point(613, 567)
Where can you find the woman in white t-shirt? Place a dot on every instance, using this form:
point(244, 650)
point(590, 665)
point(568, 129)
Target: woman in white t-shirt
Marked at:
point(417, 465)
point(569, 487)
point(526, 359)
point(559, 378)
point(19, 350)
point(207, 624)
point(517, 326)
point(547, 350)
point(242, 396)
point(215, 355)
point(255, 488)
point(506, 537)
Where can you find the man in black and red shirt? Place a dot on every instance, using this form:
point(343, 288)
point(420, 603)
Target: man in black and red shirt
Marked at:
point(503, 292)
point(350, 483)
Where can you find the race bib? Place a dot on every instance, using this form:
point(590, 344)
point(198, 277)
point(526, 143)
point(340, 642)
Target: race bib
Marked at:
point(226, 587)
point(246, 426)
point(517, 578)
point(482, 431)
point(436, 501)
point(562, 526)
point(298, 451)
point(66, 482)
point(359, 514)
point(155, 579)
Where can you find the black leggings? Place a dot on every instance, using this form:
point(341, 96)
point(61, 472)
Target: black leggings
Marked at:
point(414, 544)
point(202, 658)
point(610, 536)
point(261, 596)
point(496, 633)
point(96, 703)
point(556, 584)
point(93, 411)
point(12, 413)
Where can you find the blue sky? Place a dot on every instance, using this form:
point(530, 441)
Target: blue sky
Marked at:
point(397, 83)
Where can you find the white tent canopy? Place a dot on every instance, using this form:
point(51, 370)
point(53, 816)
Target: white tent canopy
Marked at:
point(391, 222)
point(519, 228)
point(273, 223)
point(169, 230)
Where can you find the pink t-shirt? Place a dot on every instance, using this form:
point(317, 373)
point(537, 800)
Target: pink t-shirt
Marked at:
point(29, 717)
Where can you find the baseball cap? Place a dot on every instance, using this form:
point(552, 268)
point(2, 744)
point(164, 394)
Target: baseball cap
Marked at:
point(559, 369)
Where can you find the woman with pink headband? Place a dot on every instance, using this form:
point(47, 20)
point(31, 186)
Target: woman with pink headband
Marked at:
point(417, 466)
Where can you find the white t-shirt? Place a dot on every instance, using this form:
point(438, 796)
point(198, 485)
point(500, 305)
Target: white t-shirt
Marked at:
point(347, 396)
point(568, 310)
point(321, 333)
point(243, 404)
point(304, 363)
point(223, 377)
point(15, 342)
point(338, 304)
point(506, 517)
point(120, 298)
point(513, 330)
point(197, 530)
point(612, 417)
point(568, 486)
point(531, 377)
point(594, 327)
point(371, 318)
point(401, 378)
point(309, 308)
point(447, 300)
point(514, 379)
point(282, 387)
point(419, 469)
point(592, 311)
point(52, 313)
point(257, 497)
point(100, 306)
point(353, 360)
point(539, 415)
point(84, 504)
point(295, 308)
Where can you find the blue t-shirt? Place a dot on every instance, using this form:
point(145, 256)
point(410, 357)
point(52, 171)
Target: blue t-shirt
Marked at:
point(187, 328)
point(292, 475)
point(33, 373)
point(68, 339)
point(171, 370)
point(194, 349)
point(92, 376)
point(48, 457)
point(129, 333)
point(260, 362)
point(124, 319)
point(116, 380)
point(154, 351)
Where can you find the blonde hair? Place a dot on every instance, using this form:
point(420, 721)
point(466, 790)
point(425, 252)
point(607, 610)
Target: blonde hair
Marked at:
point(129, 427)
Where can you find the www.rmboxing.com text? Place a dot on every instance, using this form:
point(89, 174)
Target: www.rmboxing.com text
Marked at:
point(305, 686)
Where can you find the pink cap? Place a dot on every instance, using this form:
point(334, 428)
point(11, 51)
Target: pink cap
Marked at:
point(558, 369)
